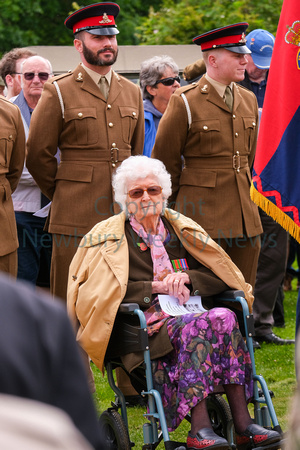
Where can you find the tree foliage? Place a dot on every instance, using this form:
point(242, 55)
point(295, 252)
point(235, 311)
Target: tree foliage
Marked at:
point(37, 22)
point(178, 22)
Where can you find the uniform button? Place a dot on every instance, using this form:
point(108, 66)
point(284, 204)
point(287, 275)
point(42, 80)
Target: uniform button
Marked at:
point(108, 106)
point(205, 127)
point(233, 116)
point(146, 299)
point(113, 145)
point(236, 134)
point(110, 124)
point(134, 114)
point(80, 115)
point(254, 124)
point(10, 137)
point(197, 292)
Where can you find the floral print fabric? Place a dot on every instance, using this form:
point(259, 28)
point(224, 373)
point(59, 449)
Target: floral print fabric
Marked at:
point(209, 350)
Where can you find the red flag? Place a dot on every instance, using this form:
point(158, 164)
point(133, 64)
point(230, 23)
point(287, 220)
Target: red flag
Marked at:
point(276, 174)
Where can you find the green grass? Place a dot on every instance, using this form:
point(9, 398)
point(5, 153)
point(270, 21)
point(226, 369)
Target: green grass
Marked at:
point(275, 363)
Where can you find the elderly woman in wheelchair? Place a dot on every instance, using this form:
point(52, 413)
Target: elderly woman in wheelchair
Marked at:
point(148, 250)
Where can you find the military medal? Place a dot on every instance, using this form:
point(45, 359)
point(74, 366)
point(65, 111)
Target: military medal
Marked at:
point(179, 264)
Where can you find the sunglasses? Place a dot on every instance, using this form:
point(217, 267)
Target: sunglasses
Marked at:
point(43, 76)
point(139, 192)
point(168, 81)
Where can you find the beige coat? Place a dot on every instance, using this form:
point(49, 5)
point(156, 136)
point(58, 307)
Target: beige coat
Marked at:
point(12, 154)
point(92, 135)
point(209, 188)
point(98, 276)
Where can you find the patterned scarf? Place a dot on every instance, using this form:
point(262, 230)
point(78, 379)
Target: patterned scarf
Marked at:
point(161, 262)
point(162, 266)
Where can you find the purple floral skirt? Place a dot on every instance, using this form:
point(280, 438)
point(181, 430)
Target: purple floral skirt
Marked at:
point(209, 350)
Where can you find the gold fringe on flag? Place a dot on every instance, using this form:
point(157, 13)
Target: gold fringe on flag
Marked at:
point(272, 210)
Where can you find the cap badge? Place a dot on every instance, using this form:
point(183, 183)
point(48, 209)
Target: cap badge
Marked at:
point(105, 19)
point(293, 34)
point(243, 39)
point(79, 77)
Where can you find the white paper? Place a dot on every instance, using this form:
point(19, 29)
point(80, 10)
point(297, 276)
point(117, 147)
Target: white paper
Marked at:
point(171, 306)
point(43, 212)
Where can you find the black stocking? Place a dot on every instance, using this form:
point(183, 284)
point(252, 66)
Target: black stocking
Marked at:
point(238, 405)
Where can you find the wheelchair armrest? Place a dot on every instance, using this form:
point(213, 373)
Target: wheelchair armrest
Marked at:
point(128, 308)
point(129, 334)
point(230, 295)
point(245, 319)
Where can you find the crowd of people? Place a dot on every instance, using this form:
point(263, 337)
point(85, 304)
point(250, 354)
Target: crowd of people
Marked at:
point(108, 188)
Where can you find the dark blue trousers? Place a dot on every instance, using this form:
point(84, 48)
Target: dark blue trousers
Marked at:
point(35, 247)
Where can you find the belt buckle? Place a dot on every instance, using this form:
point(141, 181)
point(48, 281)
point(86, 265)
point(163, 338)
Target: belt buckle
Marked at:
point(237, 162)
point(114, 156)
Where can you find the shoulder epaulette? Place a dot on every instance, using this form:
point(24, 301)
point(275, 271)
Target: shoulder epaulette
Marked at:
point(187, 88)
point(61, 76)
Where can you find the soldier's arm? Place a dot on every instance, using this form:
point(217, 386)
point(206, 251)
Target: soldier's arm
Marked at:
point(137, 141)
point(16, 163)
point(170, 140)
point(253, 148)
point(43, 140)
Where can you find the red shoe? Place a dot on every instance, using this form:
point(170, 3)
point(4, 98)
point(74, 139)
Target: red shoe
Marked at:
point(256, 436)
point(206, 438)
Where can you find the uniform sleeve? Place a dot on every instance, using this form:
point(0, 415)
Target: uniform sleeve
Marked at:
point(43, 140)
point(253, 148)
point(16, 163)
point(170, 140)
point(137, 141)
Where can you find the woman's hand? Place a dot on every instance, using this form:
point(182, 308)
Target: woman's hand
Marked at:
point(174, 284)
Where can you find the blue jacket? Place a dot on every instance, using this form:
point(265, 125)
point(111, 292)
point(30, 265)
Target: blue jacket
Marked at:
point(152, 118)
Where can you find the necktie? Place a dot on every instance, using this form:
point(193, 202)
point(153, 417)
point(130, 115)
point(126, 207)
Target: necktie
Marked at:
point(104, 87)
point(228, 97)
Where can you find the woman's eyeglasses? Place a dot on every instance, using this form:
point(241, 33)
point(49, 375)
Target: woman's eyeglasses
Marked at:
point(139, 192)
point(43, 76)
point(168, 81)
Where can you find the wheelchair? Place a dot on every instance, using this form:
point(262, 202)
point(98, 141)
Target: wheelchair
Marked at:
point(127, 338)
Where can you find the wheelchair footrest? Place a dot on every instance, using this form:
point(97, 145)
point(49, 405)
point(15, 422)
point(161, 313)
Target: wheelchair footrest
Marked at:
point(172, 445)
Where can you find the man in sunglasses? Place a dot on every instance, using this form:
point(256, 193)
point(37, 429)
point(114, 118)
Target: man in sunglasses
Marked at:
point(212, 126)
point(96, 119)
point(158, 79)
point(34, 252)
point(10, 68)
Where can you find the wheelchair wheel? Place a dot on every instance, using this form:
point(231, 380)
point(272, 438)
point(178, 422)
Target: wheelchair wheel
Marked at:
point(115, 432)
point(219, 414)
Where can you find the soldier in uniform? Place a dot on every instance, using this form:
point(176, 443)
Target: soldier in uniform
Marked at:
point(207, 140)
point(12, 154)
point(96, 119)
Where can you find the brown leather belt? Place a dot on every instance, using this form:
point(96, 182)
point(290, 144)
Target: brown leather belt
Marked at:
point(235, 162)
point(114, 155)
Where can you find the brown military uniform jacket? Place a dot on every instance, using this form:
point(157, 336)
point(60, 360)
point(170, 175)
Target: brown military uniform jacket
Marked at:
point(12, 154)
point(93, 135)
point(210, 162)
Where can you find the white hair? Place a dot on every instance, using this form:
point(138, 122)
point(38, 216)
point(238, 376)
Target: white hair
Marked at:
point(136, 167)
point(40, 58)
